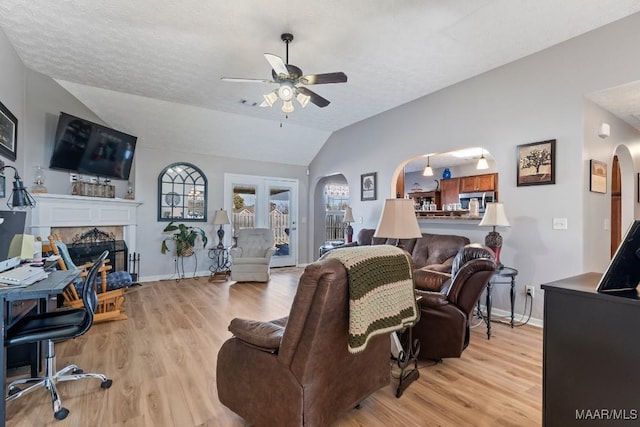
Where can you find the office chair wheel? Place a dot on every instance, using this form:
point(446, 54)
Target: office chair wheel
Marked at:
point(14, 390)
point(61, 414)
point(106, 383)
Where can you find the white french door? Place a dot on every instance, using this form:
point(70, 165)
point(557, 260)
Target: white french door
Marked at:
point(265, 202)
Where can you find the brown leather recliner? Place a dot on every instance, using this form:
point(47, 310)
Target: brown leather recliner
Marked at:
point(432, 255)
point(443, 328)
point(298, 371)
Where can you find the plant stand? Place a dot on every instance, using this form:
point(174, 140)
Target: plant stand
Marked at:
point(179, 263)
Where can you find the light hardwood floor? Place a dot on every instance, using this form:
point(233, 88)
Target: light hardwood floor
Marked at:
point(162, 361)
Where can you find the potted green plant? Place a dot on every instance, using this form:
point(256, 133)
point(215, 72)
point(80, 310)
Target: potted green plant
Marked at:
point(185, 238)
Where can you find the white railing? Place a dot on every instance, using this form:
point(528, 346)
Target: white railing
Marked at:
point(278, 222)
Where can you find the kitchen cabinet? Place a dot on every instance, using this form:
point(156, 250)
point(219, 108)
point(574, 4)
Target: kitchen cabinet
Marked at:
point(449, 189)
point(487, 182)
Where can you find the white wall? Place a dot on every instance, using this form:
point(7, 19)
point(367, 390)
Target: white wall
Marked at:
point(534, 99)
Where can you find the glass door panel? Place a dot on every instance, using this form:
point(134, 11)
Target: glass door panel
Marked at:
point(281, 222)
point(265, 203)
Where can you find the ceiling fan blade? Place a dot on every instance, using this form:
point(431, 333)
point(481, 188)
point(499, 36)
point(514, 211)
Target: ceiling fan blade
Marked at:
point(236, 80)
point(277, 64)
point(319, 79)
point(314, 97)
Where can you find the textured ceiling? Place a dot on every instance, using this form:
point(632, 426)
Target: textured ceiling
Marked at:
point(153, 68)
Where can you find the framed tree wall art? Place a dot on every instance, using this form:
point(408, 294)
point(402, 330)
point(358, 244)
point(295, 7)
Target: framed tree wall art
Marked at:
point(368, 186)
point(598, 176)
point(537, 163)
point(8, 133)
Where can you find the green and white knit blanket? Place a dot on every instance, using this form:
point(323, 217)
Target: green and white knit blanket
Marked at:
point(381, 292)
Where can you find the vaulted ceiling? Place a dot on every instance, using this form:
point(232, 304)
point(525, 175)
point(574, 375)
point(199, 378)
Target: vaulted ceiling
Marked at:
point(154, 68)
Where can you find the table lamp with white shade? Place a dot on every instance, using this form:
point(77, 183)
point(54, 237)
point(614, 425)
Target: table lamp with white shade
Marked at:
point(348, 219)
point(494, 216)
point(221, 218)
point(398, 221)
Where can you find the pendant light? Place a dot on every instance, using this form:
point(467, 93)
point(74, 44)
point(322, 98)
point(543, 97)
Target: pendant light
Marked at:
point(427, 169)
point(482, 162)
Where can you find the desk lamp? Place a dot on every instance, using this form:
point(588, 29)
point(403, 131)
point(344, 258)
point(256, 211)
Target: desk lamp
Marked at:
point(221, 218)
point(398, 221)
point(494, 216)
point(20, 197)
point(348, 218)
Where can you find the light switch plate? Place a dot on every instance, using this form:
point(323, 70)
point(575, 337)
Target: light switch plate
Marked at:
point(559, 223)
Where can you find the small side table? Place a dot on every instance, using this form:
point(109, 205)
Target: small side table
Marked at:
point(220, 267)
point(503, 276)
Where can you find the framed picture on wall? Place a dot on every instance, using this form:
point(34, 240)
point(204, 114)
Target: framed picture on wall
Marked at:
point(8, 133)
point(537, 163)
point(598, 176)
point(368, 186)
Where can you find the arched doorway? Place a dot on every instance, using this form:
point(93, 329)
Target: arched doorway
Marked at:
point(331, 197)
point(616, 205)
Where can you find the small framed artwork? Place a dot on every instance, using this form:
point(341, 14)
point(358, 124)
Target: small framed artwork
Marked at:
point(537, 163)
point(8, 133)
point(3, 192)
point(598, 181)
point(368, 186)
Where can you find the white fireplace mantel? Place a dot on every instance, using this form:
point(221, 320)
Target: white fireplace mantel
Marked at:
point(59, 210)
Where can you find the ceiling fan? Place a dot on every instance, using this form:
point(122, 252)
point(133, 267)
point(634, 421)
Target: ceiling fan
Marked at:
point(290, 77)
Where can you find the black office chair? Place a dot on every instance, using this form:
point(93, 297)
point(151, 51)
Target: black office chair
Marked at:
point(56, 326)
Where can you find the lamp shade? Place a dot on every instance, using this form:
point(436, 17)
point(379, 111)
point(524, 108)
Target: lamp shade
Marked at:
point(398, 220)
point(221, 218)
point(482, 163)
point(494, 216)
point(348, 215)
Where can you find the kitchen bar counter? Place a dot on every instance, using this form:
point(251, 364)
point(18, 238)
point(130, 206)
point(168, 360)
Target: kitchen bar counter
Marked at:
point(439, 215)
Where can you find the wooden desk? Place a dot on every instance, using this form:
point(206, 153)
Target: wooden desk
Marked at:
point(590, 355)
point(42, 290)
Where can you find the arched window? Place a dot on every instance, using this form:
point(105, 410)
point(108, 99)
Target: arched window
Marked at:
point(182, 193)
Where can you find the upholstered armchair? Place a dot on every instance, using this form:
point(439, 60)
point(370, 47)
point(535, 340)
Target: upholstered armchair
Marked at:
point(443, 328)
point(297, 370)
point(251, 257)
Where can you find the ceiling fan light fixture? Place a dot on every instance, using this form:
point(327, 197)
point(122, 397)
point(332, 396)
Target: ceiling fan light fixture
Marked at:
point(287, 107)
point(303, 99)
point(270, 98)
point(285, 92)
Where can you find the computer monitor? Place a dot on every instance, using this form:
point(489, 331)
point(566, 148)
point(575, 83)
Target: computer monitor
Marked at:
point(12, 223)
point(623, 273)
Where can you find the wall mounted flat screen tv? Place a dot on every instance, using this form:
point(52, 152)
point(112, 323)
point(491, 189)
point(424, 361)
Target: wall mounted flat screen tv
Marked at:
point(88, 148)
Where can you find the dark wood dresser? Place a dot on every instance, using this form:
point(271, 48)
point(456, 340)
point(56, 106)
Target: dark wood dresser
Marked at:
point(591, 355)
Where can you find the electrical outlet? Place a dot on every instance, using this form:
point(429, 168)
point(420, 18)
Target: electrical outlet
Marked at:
point(73, 177)
point(530, 290)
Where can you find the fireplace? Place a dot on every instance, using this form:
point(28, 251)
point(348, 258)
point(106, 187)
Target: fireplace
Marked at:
point(71, 216)
point(89, 244)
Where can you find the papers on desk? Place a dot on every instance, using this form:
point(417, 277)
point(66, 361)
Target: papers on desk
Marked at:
point(22, 276)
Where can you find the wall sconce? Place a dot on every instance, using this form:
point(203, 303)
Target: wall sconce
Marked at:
point(604, 130)
point(20, 197)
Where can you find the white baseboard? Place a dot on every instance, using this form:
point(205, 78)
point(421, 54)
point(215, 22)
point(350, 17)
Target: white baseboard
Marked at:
point(506, 315)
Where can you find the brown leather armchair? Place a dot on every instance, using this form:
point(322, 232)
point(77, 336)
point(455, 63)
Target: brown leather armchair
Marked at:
point(443, 328)
point(298, 371)
point(432, 255)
